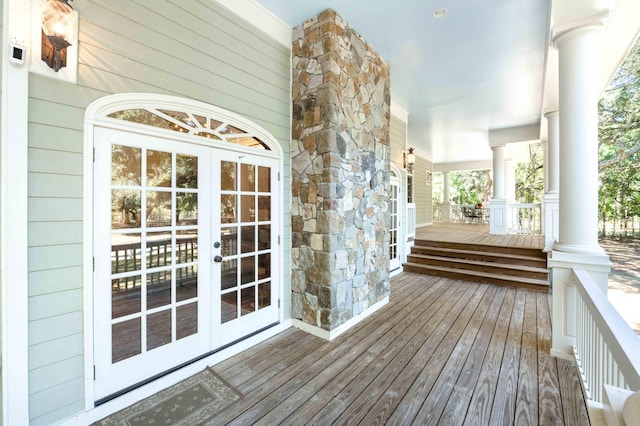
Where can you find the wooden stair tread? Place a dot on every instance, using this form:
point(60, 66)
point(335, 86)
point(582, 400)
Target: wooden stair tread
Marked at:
point(478, 252)
point(509, 250)
point(482, 263)
point(524, 267)
point(469, 272)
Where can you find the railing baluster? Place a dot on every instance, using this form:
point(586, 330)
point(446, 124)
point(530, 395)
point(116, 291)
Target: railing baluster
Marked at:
point(606, 347)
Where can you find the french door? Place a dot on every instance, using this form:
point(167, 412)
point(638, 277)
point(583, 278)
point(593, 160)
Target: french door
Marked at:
point(394, 229)
point(185, 253)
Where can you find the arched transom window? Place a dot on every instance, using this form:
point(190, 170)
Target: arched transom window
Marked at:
point(191, 123)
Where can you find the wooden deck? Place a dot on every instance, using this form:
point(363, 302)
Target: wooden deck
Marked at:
point(477, 234)
point(441, 352)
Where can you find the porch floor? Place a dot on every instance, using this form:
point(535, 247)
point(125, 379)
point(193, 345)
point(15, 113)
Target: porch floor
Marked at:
point(441, 352)
point(476, 233)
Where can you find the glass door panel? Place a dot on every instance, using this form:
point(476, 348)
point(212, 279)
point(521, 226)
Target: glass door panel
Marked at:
point(186, 253)
point(154, 250)
point(247, 245)
point(154, 226)
point(394, 229)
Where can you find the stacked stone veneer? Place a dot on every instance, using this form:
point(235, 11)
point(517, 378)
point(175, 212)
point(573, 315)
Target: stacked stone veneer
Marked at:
point(340, 173)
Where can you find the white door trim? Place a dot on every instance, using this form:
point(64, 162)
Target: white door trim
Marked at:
point(14, 219)
point(96, 115)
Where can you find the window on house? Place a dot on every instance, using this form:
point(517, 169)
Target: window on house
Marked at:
point(193, 124)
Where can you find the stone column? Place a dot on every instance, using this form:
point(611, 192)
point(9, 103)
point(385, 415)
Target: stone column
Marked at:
point(552, 172)
point(577, 246)
point(340, 176)
point(446, 198)
point(498, 202)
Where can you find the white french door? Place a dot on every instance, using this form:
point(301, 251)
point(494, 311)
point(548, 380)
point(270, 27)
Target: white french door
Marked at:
point(394, 229)
point(185, 253)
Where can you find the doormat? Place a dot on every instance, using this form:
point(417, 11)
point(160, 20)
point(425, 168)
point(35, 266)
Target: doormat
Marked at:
point(186, 403)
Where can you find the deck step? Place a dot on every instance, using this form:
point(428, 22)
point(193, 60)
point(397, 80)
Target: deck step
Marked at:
point(484, 255)
point(475, 276)
point(515, 251)
point(502, 265)
point(482, 266)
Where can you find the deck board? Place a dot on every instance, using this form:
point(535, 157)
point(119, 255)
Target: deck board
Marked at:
point(441, 352)
point(550, 406)
point(434, 404)
point(476, 234)
point(527, 395)
point(462, 392)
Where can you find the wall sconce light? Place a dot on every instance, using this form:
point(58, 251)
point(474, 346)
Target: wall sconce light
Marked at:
point(59, 29)
point(410, 159)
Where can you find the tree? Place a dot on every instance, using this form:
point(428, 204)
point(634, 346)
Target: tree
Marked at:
point(530, 176)
point(619, 144)
point(470, 187)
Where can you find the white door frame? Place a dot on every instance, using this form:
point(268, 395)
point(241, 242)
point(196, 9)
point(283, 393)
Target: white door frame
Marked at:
point(97, 115)
point(395, 181)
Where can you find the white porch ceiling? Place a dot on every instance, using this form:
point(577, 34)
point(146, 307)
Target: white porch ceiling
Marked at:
point(480, 67)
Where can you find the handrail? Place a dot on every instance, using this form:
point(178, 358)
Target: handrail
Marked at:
point(607, 350)
point(524, 218)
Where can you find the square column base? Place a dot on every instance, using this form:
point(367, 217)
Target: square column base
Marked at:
point(498, 224)
point(551, 220)
point(564, 294)
point(446, 212)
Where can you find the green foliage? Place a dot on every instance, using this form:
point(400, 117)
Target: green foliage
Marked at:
point(470, 187)
point(619, 143)
point(530, 177)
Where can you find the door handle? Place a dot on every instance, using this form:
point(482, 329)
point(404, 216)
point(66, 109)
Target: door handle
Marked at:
point(217, 259)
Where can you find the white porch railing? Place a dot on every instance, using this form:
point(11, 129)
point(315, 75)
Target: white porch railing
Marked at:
point(524, 218)
point(411, 221)
point(607, 351)
point(437, 213)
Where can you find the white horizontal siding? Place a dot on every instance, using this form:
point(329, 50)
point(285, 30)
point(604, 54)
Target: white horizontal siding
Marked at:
point(195, 49)
point(52, 305)
point(55, 114)
point(398, 140)
point(54, 257)
point(57, 350)
point(55, 280)
point(54, 233)
point(54, 209)
point(52, 328)
point(64, 411)
point(422, 193)
point(58, 162)
point(55, 403)
point(55, 138)
point(41, 378)
point(53, 185)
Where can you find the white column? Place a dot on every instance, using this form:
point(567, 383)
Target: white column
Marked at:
point(13, 222)
point(552, 172)
point(577, 247)
point(446, 198)
point(553, 151)
point(545, 164)
point(578, 141)
point(498, 172)
point(498, 202)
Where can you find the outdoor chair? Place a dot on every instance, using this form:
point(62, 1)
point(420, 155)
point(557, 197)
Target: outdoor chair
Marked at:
point(472, 215)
